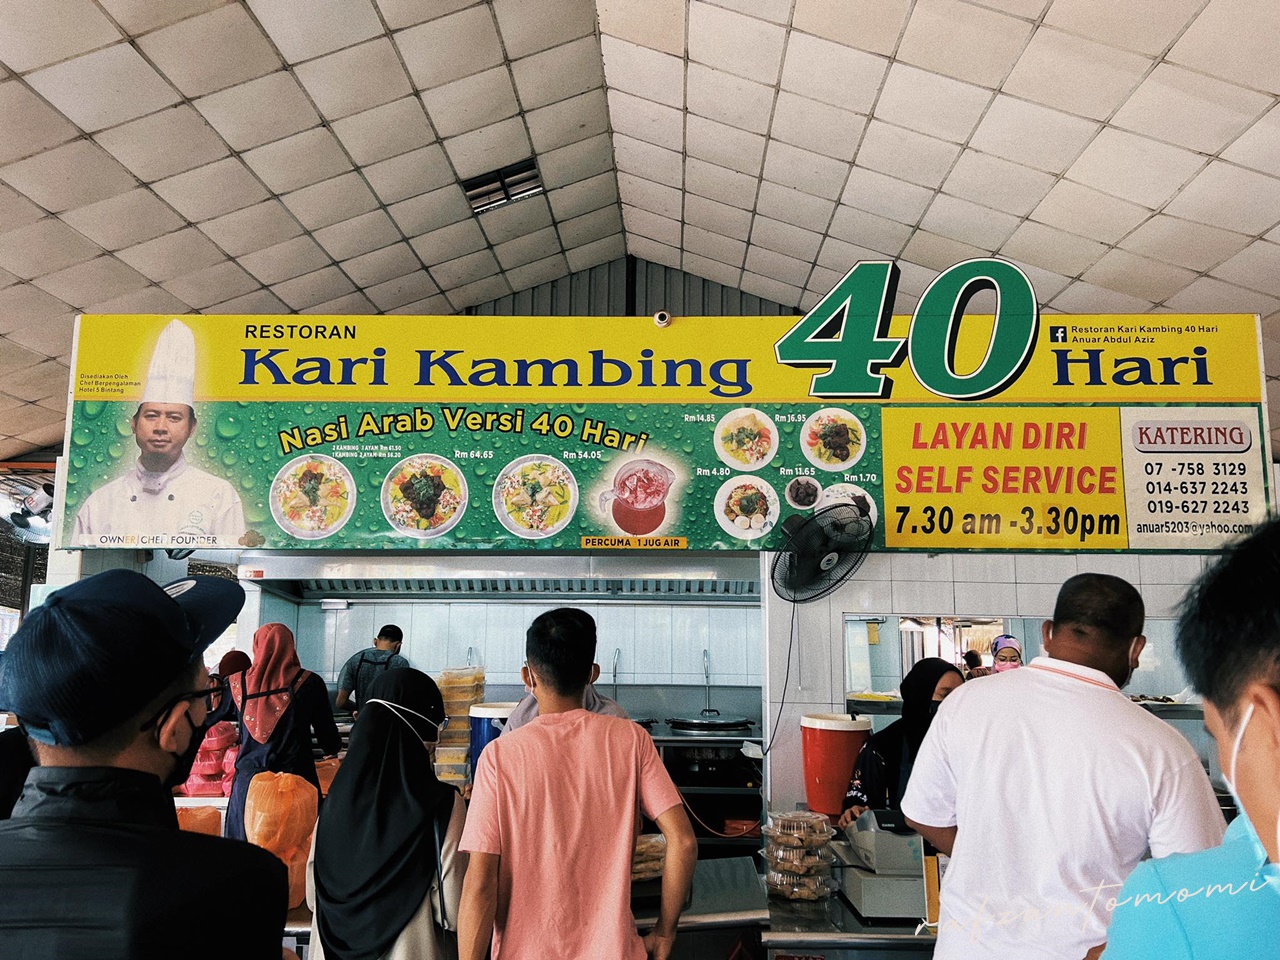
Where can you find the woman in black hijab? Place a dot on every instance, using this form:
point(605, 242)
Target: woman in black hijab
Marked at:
point(884, 766)
point(387, 873)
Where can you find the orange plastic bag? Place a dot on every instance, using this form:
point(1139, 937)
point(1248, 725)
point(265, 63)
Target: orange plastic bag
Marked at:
point(200, 820)
point(279, 815)
point(326, 770)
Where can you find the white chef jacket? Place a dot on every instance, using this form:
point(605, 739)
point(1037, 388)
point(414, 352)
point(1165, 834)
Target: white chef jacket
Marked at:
point(1058, 785)
point(184, 503)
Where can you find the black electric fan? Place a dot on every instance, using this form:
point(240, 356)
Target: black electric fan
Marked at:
point(822, 551)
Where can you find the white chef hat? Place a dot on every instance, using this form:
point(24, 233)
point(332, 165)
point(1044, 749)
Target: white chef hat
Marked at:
point(171, 378)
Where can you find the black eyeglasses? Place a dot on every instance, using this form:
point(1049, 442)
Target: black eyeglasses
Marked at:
point(211, 696)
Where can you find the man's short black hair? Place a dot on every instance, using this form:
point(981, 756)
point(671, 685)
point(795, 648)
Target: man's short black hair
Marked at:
point(973, 659)
point(391, 632)
point(1108, 604)
point(560, 646)
point(1229, 621)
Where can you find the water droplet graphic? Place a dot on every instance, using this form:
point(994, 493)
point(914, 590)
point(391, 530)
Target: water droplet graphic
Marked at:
point(81, 437)
point(116, 450)
point(228, 426)
point(91, 409)
point(230, 458)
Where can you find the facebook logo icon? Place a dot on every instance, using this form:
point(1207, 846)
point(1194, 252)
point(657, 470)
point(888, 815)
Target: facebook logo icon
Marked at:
point(1057, 334)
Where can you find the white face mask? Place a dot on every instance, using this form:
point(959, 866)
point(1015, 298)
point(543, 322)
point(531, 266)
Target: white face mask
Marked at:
point(1129, 676)
point(1230, 779)
point(396, 708)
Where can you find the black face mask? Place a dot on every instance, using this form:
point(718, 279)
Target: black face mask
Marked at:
point(932, 710)
point(185, 760)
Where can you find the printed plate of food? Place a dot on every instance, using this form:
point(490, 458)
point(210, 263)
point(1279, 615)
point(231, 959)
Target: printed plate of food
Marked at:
point(746, 439)
point(803, 493)
point(833, 439)
point(746, 507)
point(312, 497)
point(535, 496)
point(850, 493)
point(424, 496)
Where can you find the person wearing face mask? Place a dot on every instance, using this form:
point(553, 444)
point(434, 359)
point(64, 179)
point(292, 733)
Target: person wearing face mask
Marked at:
point(107, 680)
point(1047, 783)
point(1223, 903)
point(1006, 653)
point(884, 764)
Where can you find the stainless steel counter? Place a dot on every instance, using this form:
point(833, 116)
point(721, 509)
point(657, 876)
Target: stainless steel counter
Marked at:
point(663, 734)
point(726, 893)
point(831, 924)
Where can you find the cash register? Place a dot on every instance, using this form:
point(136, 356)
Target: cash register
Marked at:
point(881, 869)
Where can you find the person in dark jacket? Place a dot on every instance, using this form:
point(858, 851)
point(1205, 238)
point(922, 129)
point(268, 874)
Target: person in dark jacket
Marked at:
point(279, 705)
point(107, 681)
point(883, 767)
point(16, 761)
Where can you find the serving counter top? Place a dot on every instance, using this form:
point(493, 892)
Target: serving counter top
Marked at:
point(831, 924)
point(726, 893)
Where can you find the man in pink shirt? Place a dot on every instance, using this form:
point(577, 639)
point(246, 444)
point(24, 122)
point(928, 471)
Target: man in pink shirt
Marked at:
point(553, 820)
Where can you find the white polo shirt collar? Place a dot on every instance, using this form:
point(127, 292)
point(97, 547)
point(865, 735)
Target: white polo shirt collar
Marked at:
point(1075, 671)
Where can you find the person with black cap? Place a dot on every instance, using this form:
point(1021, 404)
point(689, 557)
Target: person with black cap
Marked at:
point(107, 681)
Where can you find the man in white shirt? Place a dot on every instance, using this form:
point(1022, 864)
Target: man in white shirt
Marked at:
point(1047, 786)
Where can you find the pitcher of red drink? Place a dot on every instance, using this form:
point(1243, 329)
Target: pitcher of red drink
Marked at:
point(638, 496)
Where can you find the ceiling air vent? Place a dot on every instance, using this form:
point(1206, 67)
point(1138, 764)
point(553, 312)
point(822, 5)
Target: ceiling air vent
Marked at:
point(496, 189)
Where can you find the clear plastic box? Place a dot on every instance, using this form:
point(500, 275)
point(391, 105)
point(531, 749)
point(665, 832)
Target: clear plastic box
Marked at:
point(800, 886)
point(445, 755)
point(802, 860)
point(803, 828)
point(453, 771)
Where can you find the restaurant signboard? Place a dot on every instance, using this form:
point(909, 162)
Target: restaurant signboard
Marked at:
point(951, 430)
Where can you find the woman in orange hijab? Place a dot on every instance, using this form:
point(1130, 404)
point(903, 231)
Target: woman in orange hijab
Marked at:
point(279, 705)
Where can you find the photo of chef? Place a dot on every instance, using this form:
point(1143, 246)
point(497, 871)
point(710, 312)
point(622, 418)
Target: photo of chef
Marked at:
point(162, 493)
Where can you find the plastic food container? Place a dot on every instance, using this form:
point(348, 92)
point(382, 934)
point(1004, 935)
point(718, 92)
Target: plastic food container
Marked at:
point(803, 860)
point(650, 856)
point(804, 828)
point(453, 754)
point(456, 734)
point(453, 771)
point(459, 706)
point(800, 886)
point(459, 679)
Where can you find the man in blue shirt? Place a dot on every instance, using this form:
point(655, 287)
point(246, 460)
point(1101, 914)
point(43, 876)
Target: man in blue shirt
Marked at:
point(362, 668)
point(1223, 903)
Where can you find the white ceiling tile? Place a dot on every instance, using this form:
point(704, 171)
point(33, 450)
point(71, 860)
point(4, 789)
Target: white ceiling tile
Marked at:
point(322, 27)
point(312, 288)
point(1257, 267)
point(1031, 134)
point(211, 190)
point(146, 300)
point(963, 41)
point(1046, 284)
point(1259, 146)
point(437, 306)
point(1235, 40)
point(331, 201)
point(654, 197)
point(561, 72)
point(24, 304)
point(527, 249)
point(1053, 249)
point(285, 260)
point(818, 127)
point(997, 183)
point(646, 224)
point(188, 52)
point(464, 270)
point(646, 120)
point(1085, 211)
point(785, 238)
point(69, 176)
point(840, 257)
point(931, 103)
point(578, 161)
point(406, 13)
point(873, 25)
point(29, 417)
point(356, 79)
point(834, 74)
point(775, 11)
point(173, 255)
point(1074, 74)
point(91, 281)
point(28, 124)
point(472, 102)
point(727, 186)
point(653, 251)
point(299, 160)
point(641, 71)
point(449, 243)
point(1138, 276)
point(388, 263)
point(704, 243)
point(142, 16)
point(1135, 168)
point(568, 121)
point(16, 210)
point(717, 217)
point(386, 131)
point(489, 148)
point(259, 111)
point(124, 220)
point(735, 43)
point(50, 435)
point(398, 291)
point(656, 163)
point(261, 302)
point(939, 253)
point(43, 247)
point(1147, 26)
point(353, 304)
point(253, 228)
point(712, 269)
point(538, 272)
point(771, 288)
point(1230, 197)
point(516, 219)
point(450, 48)
point(725, 146)
point(529, 28)
point(479, 291)
point(34, 33)
point(906, 154)
point(969, 222)
point(1085, 298)
point(1209, 295)
point(1190, 109)
point(584, 196)
point(658, 24)
point(104, 88)
point(165, 143)
point(7, 279)
point(1026, 9)
point(409, 174)
point(51, 339)
point(794, 207)
point(431, 211)
point(722, 96)
point(879, 194)
point(1185, 243)
point(350, 238)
